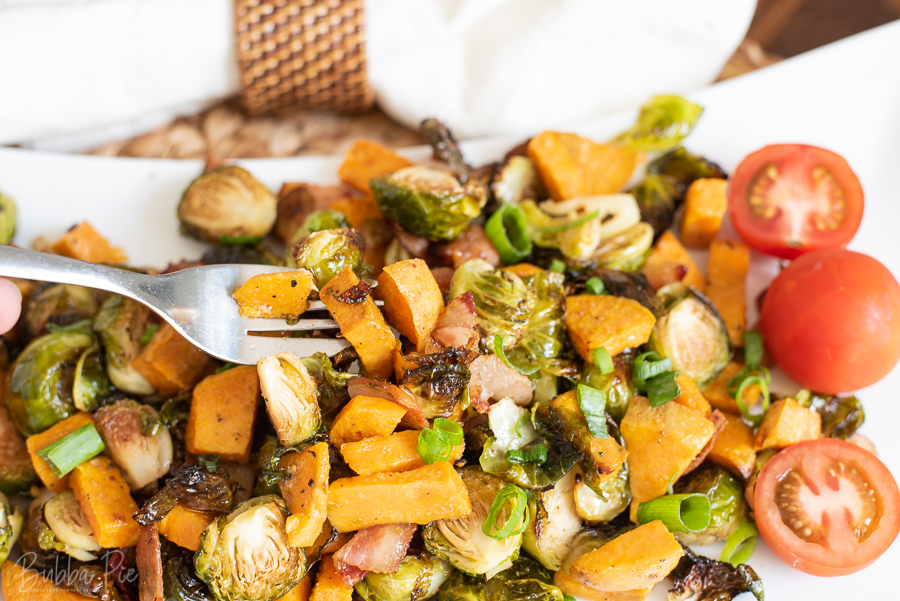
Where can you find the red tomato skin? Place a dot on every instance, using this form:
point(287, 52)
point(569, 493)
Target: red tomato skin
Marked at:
point(812, 558)
point(831, 320)
point(763, 235)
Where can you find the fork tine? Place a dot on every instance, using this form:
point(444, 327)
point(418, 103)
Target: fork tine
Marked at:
point(320, 306)
point(254, 348)
point(280, 325)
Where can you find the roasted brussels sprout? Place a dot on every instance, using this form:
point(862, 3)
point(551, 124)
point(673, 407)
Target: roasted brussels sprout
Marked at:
point(143, 459)
point(617, 385)
point(121, 324)
point(602, 501)
point(462, 542)
point(626, 251)
point(180, 582)
point(291, 396)
point(426, 202)
point(664, 121)
point(692, 334)
point(318, 220)
point(699, 578)
point(57, 304)
point(553, 523)
point(195, 488)
point(545, 334)
point(69, 527)
point(16, 470)
point(246, 555)
point(327, 252)
point(227, 205)
point(438, 385)
point(726, 501)
point(10, 526)
point(841, 416)
point(38, 388)
point(7, 221)
point(517, 180)
point(332, 383)
point(446, 150)
point(503, 302)
point(90, 383)
point(525, 580)
point(419, 577)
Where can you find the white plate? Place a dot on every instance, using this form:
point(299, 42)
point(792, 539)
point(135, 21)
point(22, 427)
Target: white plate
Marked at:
point(845, 97)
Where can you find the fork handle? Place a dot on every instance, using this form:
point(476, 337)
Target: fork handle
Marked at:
point(33, 265)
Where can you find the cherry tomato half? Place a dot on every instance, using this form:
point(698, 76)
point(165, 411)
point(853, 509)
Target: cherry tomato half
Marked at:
point(827, 507)
point(831, 320)
point(788, 199)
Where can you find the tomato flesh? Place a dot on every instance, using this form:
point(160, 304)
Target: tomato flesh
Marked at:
point(787, 199)
point(827, 507)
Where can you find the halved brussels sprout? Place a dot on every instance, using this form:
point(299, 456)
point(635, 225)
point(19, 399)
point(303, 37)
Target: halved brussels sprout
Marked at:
point(462, 542)
point(426, 202)
point(692, 334)
point(38, 389)
point(438, 386)
point(616, 212)
point(227, 204)
point(143, 459)
point(617, 385)
point(663, 122)
point(246, 556)
point(602, 501)
point(58, 304)
point(10, 525)
point(545, 332)
point(418, 577)
point(517, 180)
point(327, 252)
point(71, 529)
point(318, 220)
point(7, 221)
point(697, 578)
point(292, 399)
point(626, 251)
point(553, 523)
point(726, 501)
point(121, 324)
point(575, 241)
point(525, 580)
point(503, 302)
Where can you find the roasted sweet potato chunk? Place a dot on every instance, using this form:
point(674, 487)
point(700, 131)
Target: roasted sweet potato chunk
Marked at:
point(83, 242)
point(669, 262)
point(787, 422)
point(106, 502)
point(704, 207)
point(365, 160)
point(279, 295)
point(609, 321)
point(394, 453)
point(305, 490)
point(223, 413)
point(727, 272)
point(412, 300)
point(183, 526)
point(172, 364)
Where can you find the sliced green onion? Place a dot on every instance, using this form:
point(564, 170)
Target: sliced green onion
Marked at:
point(680, 513)
point(452, 431)
point(508, 231)
point(569, 225)
point(82, 325)
point(535, 454)
point(498, 350)
point(596, 286)
point(209, 462)
point(602, 361)
point(522, 421)
point(568, 598)
point(226, 367)
point(763, 383)
point(740, 544)
point(240, 240)
point(753, 349)
point(517, 516)
point(433, 446)
point(647, 365)
point(69, 452)
point(662, 388)
point(148, 333)
point(558, 266)
point(734, 381)
point(593, 405)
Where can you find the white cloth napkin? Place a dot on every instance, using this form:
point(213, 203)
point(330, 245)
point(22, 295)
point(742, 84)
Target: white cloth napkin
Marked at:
point(78, 73)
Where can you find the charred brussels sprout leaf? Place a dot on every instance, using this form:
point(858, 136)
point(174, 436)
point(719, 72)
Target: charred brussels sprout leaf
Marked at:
point(503, 302)
point(332, 383)
point(427, 202)
point(518, 180)
point(446, 150)
point(58, 304)
point(180, 582)
point(246, 555)
point(194, 487)
point(841, 416)
point(120, 324)
point(545, 334)
point(7, 220)
point(327, 252)
point(664, 121)
point(685, 167)
point(699, 578)
point(526, 580)
point(38, 390)
point(726, 501)
point(10, 526)
point(418, 577)
point(227, 203)
point(439, 385)
point(90, 383)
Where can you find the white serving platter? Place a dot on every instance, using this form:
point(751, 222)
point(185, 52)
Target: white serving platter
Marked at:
point(845, 97)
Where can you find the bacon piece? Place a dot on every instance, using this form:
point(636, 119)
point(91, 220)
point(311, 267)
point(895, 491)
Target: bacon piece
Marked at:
point(376, 549)
point(416, 246)
point(456, 326)
point(473, 244)
point(297, 200)
point(414, 417)
point(149, 565)
point(493, 379)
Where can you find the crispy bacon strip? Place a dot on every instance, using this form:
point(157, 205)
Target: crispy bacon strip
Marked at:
point(456, 326)
point(149, 565)
point(377, 549)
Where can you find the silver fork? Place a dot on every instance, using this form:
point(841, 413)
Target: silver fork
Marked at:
point(196, 301)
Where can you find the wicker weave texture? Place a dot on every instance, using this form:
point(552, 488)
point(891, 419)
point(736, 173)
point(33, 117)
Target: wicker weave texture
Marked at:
point(302, 54)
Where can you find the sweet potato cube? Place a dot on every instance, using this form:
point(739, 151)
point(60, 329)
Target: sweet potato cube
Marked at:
point(329, 586)
point(22, 584)
point(635, 560)
point(305, 490)
point(300, 592)
point(662, 442)
point(365, 160)
point(787, 422)
point(279, 295)
point(364, 417)
point(733, 447)
point(359, 210)
point(394, 453)
point(690, 396)
point(669, 262)
point(223, 413)
point(106, 502)
point(571, 166)
point(83, 242)
point(412, 300)
point(727, 272)
point(57, 431)
point(573, 587)
point(183, 526)
point(716, 392)
point(362, 324)
point(432, 492)
point(608, 321)
point(704, 207)
point(172, 364)
point(523, 270)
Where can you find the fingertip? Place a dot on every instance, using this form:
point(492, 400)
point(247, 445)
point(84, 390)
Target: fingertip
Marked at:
point(10, 305)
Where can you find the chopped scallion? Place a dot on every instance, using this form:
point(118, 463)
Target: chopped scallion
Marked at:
point(82, 325)
point(602, 361)
point(596, 286)
point(593, 405)
point(753, 349)
point(534, 454)
point(516, 518)
point(558, 266)
point(433, 446)
point(763, 383)
point(148, 333)
point(508, 231)
point(679, 513)
point(662, 388)
point(647, 365)
point(209, 462)
point(452, 431)
point(569, 225)
point(740, 544)
point(69, 452)
point(522, 421)
point(240, 240)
